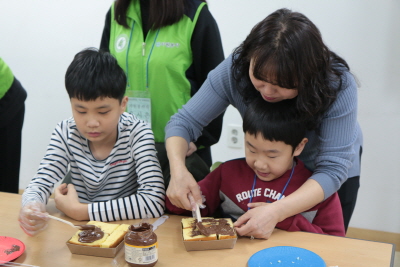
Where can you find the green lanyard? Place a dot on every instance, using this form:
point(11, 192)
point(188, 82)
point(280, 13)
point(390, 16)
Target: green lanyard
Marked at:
point(148, 59)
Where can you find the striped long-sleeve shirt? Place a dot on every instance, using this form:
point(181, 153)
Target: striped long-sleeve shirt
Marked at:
point(128, 184)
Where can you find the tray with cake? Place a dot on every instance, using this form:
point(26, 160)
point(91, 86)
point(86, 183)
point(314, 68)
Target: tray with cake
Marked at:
point(100, 239)
point(211, 233)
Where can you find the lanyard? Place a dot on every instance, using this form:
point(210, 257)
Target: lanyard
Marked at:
point(283, 191)
point(148, 59)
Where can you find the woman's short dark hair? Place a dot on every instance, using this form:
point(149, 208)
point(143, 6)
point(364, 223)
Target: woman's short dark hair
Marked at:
point(287, 50)
point(278, 121)
point(93, 74)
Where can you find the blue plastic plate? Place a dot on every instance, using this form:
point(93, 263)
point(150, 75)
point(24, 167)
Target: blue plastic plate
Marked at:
point(284, 256)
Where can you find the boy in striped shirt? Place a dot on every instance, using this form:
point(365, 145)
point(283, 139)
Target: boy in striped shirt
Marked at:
point(115, 173)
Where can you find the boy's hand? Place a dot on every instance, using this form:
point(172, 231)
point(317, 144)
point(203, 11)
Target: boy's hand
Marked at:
point(67, 201)
point(33, 218)
point(258, 222)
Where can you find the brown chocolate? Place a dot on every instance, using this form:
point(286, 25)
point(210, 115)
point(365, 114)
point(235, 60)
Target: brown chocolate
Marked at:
point(214, 226)
point(91, 235)
point(86, 226)
point(203, 230)
point(12, 249)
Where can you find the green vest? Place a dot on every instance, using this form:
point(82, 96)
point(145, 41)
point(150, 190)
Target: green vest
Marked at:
point(157, 64)
point(6, 78)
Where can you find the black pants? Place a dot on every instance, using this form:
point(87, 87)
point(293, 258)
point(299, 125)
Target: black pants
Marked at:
point(10, 152)
point(348, 196)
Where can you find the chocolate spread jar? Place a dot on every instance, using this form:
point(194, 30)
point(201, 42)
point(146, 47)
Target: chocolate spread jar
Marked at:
point(141, 247)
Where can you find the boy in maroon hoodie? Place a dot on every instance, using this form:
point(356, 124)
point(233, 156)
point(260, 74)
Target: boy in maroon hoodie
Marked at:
point(274, 137)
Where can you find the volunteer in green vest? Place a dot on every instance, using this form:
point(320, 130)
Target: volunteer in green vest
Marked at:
point(167, 48)
point(12, 110)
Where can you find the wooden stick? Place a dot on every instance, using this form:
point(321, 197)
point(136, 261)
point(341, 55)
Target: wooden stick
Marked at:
point(63, 221)
point(198, 215)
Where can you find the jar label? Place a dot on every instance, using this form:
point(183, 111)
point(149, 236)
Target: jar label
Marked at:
point(141, 254)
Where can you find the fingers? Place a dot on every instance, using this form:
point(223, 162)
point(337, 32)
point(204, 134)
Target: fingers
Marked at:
point(33, 218)
point(179, 188)
point(71, 187)
point(253, 223)
point(241, 227)
point(178, 197)
point(32, 227)
point(242, 220)
point(254, 230)
point(196, 193)
point(62, 189)
point(193, 204)
point(34, 207)
point(257, 204)
point(257, 235)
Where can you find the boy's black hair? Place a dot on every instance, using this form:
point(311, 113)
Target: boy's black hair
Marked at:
point(275, 121)
point(93, 74)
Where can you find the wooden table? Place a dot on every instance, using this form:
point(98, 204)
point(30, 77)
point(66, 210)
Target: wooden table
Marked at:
point(49, 249)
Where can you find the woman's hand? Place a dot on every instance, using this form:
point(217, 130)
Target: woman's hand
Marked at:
point(182, 182)
point(67, 201)
point(259, 221)
point(262, 218)
point(182, 185)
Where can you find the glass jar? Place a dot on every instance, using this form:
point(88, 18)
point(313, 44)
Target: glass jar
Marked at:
point(141, 246)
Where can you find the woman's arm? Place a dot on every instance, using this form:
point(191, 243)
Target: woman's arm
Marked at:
point(328, 219)
point(210, 188)
point(335, 140)
point(186, 126)
point(182, 182)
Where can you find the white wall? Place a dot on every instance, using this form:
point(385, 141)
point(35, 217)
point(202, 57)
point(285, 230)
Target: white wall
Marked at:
point(38, 39)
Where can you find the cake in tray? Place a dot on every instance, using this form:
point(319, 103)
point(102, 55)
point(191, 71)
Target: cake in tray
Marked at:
point(209, 229)
point(104, 235)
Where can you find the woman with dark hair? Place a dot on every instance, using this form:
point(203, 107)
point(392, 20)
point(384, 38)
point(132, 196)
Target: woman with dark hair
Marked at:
point(282, 58)
point(166, 48)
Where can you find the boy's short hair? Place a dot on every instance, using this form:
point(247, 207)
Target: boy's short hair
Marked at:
point(278, 121)
point(93, 74)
